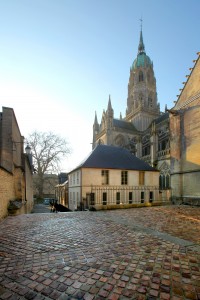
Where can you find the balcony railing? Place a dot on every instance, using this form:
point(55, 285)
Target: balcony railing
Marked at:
point(163, 153)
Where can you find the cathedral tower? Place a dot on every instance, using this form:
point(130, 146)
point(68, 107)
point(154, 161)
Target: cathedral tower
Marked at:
point(142, 106)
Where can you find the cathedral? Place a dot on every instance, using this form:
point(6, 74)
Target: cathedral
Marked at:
point(145, 129)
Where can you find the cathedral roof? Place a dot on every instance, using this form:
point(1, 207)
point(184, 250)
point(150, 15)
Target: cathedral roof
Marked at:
point(161, 118)
point(124, 125)
point(111, 157)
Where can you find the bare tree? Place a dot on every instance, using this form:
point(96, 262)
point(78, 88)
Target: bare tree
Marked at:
point(47, 151)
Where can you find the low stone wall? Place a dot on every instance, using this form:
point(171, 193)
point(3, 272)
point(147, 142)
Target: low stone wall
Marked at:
point(187, 200)
point(124, 206)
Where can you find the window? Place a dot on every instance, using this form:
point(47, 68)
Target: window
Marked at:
point(74, 178)
point(77, 177)
point(142, 197)
point(118, 198)
point(104, 198)
point(124, 177)
point(161, 182)
point(150, 196)
point(141, 76)
point(74, 197)
point(164, 181)
point(167, 181)
point(163, 145)
point(146, 150)
point(105, 176)
point(141, 178)
point(130, 197)
point(92, 199)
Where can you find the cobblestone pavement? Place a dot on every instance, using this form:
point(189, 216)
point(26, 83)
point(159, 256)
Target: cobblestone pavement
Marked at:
point(144, 253)
point(41, 208)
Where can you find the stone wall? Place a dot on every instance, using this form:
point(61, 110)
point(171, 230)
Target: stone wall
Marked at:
point(185, 141)
point(15, 170)
point(6, 191)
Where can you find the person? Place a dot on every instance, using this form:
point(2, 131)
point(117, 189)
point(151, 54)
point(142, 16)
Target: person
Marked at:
point(53, 205)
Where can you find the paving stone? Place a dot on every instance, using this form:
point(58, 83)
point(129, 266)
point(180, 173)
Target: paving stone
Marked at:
point(47, 291)
point(88, 296)
point(61, 287)
point(30, 295)
point(144, 254)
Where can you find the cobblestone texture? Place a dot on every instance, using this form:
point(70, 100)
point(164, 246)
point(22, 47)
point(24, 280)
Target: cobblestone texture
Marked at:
point(145, 253)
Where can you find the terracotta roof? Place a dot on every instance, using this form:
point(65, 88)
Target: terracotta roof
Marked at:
point(111, 157)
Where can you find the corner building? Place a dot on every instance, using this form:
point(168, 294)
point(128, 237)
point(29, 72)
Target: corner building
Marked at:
point(144, 130)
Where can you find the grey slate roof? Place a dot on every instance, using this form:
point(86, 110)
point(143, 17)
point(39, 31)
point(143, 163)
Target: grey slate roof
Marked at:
point(124, 125)
point(162, 118)
point(111, 157)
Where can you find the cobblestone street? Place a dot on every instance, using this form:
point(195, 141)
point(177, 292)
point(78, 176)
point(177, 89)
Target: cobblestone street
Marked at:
point(142, 253)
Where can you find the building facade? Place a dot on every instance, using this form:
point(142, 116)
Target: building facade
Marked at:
point(185, 140)
point(144, 130)
point(16, 188)
point(61, 193)
point(111, 177)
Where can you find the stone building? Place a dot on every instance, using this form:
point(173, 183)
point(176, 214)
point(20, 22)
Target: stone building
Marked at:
point(16, 189)
point(111, 177)
point(185, 140)
point(61, 189)
point(144, 130)
point(61, 193)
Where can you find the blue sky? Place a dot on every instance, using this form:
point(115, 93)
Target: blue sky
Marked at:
point(60, 59)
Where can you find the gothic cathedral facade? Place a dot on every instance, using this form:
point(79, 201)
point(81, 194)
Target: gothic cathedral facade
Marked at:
point(145, 129)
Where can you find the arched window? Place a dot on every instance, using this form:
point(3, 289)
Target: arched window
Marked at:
point(167, 181)
point(164, 181)
point(141, 76)
point(161, 182)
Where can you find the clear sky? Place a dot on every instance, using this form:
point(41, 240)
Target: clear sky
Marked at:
point(60, 59)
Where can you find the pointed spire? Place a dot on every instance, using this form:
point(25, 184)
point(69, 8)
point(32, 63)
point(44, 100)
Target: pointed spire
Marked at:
point(95, 118)
point(96, 125)
point(141, 47)
point(109, 104)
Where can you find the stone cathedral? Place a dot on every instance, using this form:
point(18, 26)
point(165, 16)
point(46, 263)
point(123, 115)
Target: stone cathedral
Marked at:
point(145, 129)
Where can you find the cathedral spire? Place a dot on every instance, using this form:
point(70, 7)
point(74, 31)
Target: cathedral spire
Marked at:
point(109, 104)
point(141, 48)
point(95, 119)
point(96, 125)
point(109, 114)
